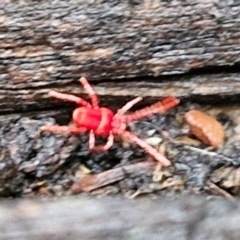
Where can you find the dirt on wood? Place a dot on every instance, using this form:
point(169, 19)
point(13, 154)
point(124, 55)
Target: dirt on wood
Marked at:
point(117, 218)
point(59, 40)
point(48, 164)
point(126, 49)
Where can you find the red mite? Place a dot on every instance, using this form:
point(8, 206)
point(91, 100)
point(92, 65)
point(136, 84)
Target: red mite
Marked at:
point(102, 121)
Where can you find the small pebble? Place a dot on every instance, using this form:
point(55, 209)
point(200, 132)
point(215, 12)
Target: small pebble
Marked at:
point(151, 132)
point(154, 141)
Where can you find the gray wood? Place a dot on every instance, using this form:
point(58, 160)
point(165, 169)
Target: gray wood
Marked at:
point(56, 41)
point(208, 88)
point(47, 44)
point(61, 40)
point(116, 218)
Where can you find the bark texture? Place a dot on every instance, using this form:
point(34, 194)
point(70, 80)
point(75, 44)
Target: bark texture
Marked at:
point(57, 40)
point(207, 88)
point(53, 43)
point(126, 48)
point(114, 218)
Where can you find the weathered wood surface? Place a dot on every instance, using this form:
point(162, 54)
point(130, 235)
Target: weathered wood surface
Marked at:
point(50, 44)
point(208, 88)
point(57, 40)
point(53, 43)
point(113, 218)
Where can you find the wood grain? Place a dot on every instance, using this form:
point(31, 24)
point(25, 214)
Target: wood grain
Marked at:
point(208, 88)
point(116, 218)
point(49, 42)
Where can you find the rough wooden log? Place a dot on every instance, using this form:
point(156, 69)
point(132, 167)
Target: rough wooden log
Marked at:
point(114, 218)
point(207, 88)
point(50, 43)
point(57, 40)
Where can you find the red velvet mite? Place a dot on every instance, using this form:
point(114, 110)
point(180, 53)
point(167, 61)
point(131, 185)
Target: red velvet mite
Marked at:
point(102, 121)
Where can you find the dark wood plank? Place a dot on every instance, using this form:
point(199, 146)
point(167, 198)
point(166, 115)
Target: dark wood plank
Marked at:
point(114, 218)
point(208, 88)
point(49, 42)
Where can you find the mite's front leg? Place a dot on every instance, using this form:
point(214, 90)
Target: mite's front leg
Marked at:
point(70, 98)
point(65, 129)
point(128, 106)
point(88, 88)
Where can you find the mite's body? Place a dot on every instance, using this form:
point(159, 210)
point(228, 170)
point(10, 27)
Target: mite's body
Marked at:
point(99, 120)
point(102, 121)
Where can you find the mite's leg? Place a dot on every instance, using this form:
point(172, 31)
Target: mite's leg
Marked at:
point(153, 152)
point(90, 92)
point(91, 140)
point(158, 107)
point(70, 98)
point(127, 106)
point(104, 147)
point(65, 129)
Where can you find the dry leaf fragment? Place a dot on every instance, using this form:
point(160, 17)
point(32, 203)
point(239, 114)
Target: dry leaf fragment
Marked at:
point(205, 127)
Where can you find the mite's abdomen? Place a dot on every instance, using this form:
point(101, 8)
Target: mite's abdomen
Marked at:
point(98, 120)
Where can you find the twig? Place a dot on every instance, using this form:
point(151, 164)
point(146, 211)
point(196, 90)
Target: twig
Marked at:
point(219, 190)
point(198, 150)
point(94, 181)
